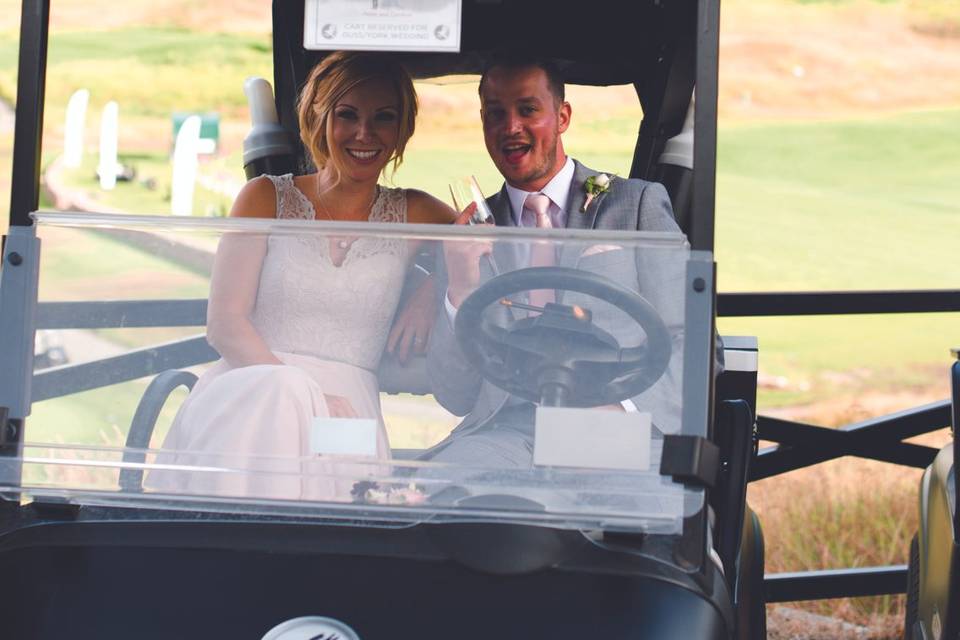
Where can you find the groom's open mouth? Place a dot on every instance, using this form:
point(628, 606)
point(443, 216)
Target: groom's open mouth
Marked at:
point(364, 156)
point(514, 153)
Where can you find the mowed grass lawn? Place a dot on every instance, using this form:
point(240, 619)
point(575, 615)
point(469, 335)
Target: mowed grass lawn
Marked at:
point(852, 204)
point(868, 204)
point(800, 206)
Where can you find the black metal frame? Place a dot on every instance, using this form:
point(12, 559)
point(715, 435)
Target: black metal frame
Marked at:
point(800, 445)
point(28, 129)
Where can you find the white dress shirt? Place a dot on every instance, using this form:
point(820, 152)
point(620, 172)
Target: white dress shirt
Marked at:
point(557, 190)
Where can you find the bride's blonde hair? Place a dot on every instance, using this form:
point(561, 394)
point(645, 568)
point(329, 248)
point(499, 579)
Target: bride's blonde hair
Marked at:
point(333, 78)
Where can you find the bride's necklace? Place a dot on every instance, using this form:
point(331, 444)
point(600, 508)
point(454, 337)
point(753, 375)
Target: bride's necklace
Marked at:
point(342, 243)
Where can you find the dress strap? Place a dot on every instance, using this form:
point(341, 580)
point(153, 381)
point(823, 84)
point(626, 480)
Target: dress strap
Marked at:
point(390, 206)
point(292, 204)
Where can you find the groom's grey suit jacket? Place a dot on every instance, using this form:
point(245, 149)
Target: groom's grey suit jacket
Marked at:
point(628, 205)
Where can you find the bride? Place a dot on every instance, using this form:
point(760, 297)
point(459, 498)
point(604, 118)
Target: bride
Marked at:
point(300, 321)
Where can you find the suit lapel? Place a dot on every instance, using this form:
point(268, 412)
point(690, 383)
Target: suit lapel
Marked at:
point(504, 253)
point(576, 218)
point(499, 204)
point(507, 256)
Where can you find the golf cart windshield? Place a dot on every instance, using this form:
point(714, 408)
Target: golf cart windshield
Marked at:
point(583, 378)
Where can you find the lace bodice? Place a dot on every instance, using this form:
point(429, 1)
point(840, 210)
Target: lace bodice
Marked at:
point(306, 304)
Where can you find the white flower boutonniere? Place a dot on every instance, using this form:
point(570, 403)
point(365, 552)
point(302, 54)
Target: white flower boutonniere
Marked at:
point(594, 186)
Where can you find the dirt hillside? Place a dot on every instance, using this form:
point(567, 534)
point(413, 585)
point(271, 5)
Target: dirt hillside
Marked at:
point(778, 58)
point(785, 59)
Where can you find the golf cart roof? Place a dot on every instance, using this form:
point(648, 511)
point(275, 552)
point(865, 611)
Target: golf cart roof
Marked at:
point(611, 43)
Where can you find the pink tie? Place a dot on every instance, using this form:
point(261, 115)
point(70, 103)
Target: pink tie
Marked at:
point(541, 254)
point(539, 205)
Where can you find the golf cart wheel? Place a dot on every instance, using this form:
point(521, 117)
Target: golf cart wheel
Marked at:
point(913, 589)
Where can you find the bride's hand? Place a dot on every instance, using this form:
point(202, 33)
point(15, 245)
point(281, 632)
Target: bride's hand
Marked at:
point(414, 322)
point(339, 407)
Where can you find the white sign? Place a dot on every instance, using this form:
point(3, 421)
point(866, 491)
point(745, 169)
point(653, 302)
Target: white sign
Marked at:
point(73, 131)
point(344, 437)
point(185, 167)
point(592, 439)
point(382, 25)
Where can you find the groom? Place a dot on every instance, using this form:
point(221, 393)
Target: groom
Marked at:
point(524, 116)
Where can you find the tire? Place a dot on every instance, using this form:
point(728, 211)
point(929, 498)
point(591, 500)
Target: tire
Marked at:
point(913, 590)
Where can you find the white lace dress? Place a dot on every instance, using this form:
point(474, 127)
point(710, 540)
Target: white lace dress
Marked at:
point(328, 324)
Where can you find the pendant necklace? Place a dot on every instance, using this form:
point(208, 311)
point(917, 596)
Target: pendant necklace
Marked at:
point(342, 243)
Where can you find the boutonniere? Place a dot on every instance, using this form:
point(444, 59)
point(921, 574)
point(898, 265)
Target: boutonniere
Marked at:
point(594, 186)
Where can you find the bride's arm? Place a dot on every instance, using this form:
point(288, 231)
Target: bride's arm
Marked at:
point(235, 279)
point(412, 326)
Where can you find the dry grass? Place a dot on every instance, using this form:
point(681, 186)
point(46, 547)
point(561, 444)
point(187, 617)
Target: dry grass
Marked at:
point(844, 513)
point(825, 60)
point(939, 18)
point(210, 16)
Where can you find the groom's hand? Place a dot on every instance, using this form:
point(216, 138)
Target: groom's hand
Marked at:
point(463, 261)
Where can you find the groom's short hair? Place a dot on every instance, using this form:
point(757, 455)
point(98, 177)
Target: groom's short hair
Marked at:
point(521, 59)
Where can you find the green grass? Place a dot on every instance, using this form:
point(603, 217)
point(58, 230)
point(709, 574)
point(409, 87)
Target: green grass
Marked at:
point(839, 205)
point(864, 204)
point(68, 419)
point(151, 71)
point(869, 204)
point(150, 191)
point(861, 204)
point(82, 265)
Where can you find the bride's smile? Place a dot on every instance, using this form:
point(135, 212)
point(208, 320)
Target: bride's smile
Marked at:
point(364, 130)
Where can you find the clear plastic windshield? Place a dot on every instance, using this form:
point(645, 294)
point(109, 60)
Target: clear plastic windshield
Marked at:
point(378, 373)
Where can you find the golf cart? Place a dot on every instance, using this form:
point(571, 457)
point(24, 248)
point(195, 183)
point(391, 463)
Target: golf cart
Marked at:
point(933, 587)
point(639, 535)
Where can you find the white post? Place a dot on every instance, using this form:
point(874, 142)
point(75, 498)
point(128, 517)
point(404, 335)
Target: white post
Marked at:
point(109, 130)
point(73, 128)
point(185, 167)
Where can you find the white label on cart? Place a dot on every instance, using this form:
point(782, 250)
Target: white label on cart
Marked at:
point(382, 25)
point(343, 437)
point(592, 438)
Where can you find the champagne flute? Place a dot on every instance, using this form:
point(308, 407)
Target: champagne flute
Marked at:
point(465, 190)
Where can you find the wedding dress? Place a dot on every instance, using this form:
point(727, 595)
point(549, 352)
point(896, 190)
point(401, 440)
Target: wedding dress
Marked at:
point(328, 324)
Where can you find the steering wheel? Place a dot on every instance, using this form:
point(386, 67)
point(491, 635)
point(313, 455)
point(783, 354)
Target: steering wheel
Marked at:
point(560, 358)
